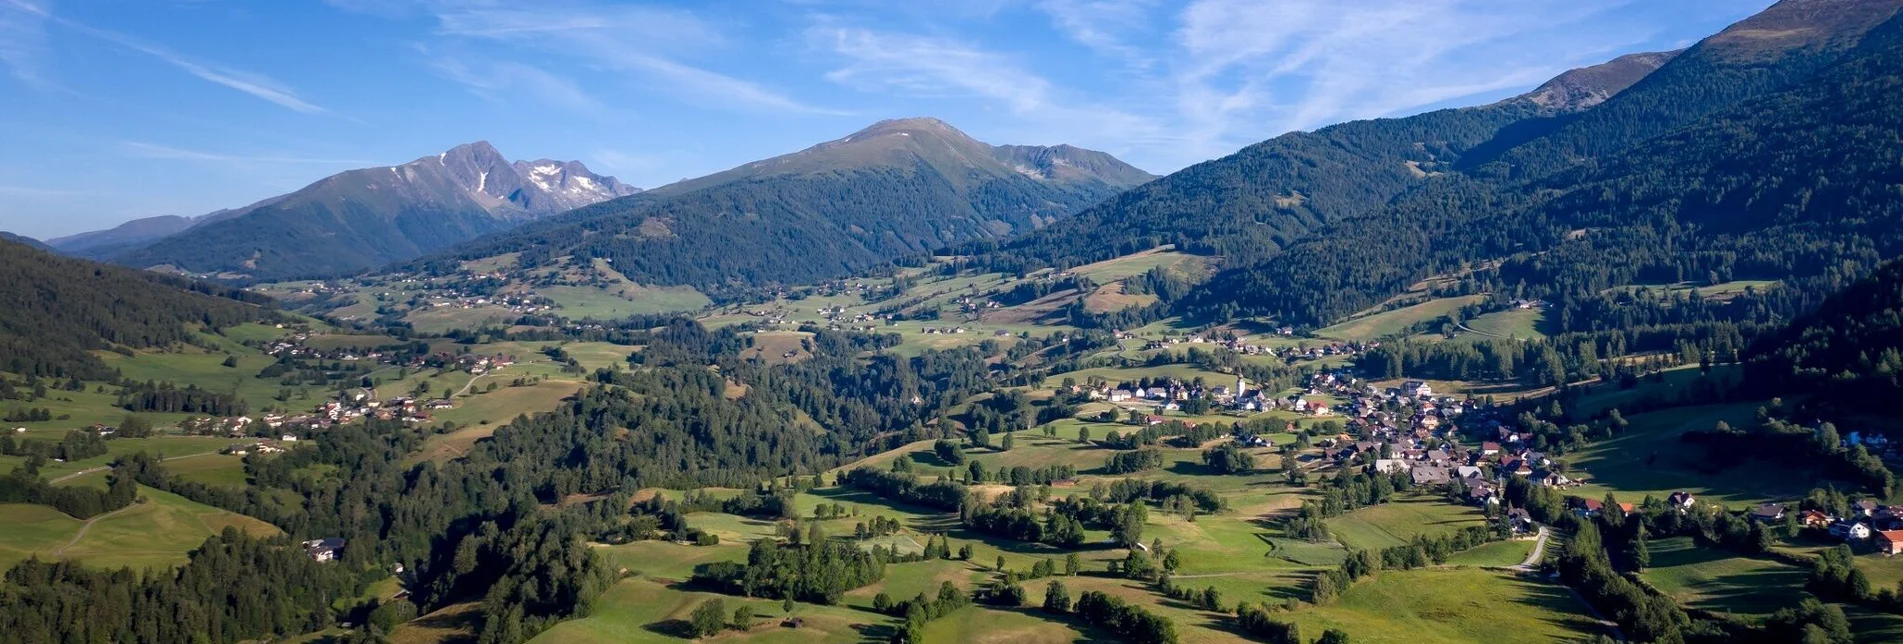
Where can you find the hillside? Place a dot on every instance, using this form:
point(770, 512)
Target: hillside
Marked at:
point(26, 241)
point(54, 310)
point(1848, 353)
point(1250, 205)
point(358, 219)
point(1665, 210)
point(896, 188)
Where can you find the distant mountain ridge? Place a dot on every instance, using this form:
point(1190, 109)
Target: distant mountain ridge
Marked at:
point(358, 219)
point(895, 188)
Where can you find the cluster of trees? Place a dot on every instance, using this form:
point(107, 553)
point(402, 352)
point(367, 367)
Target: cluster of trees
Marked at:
point(905, 488)
point(1007, 518)
point(816, 572)
point(1228, 458)
point(1819, 448)
point(233, 588)
point(75, 445)
point(1133, 461)
point(24, 485)
point(1129, 622)
point(920, 610)
point(1423, 551)
point(1847, 354)
point(169, 399)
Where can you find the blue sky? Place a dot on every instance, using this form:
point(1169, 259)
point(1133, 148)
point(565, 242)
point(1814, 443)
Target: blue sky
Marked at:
point(114, 110)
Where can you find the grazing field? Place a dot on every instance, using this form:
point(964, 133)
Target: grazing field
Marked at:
point(645, 610)
point(1664, 386)
point(1717, 580)
point(1135, 264)
point(1516, 323)
point(982, 624)
point(505, 403)
point(154, 533)
point(169, 446)
point(1649, 459)
point(599, 355)
point(1499, 554)
point(1397, 523)
point(1455, 605)
point(205, 369)
point(577, 302)
point(1389, 323)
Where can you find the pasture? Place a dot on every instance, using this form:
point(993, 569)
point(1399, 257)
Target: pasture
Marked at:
point(1722, 581)
point(1649, 459)
point(1451, 606)
point(156, 532)
point(1388, 323)
point(1397, 523)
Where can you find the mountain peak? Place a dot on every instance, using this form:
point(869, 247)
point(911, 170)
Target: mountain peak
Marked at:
point(911, 124)
point(1585, 87)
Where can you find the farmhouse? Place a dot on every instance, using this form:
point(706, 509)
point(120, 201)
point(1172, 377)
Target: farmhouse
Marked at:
point(323, 549)
point(1890, 542)
point(1768, 512)
point(1850, 531)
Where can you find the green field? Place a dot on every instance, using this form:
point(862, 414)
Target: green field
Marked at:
point(643, 610)
point(1649, 459)
point(1516, 323)
point(157, 532)
point(1499, 554)
point(1451, 605)
point(169, 446)
point(1397, 523)
point(1717, 580)
point(1663, 387)
point(577, 302)
point(1389, 323)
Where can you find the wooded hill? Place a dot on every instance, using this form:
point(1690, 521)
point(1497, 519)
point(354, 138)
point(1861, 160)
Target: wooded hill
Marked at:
point(55, 310)
point(1849, 354)
point(897, 188)
point(1757, 154)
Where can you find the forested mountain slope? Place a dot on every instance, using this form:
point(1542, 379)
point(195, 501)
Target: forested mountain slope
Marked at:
point(54, 310)
point(1250, 205)
point(364, 218)
point(1789, 185)
point(1848, 353)
point(896, 188)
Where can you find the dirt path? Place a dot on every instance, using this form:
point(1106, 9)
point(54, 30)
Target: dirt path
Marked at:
point(103, 468)
point(57, 552)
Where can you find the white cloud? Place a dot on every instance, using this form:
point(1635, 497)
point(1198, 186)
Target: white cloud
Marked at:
point(1105, 26)
point(492, 79)
point(23, 40)
point(144, 150)
point(1300, 64)
point(940, 68)
point(256, 85)
point(647, 42)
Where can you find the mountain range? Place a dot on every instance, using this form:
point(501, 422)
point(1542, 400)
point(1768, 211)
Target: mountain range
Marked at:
point(357, 219)
point(899, 187)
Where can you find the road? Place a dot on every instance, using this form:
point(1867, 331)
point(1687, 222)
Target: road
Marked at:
point(1539, 552)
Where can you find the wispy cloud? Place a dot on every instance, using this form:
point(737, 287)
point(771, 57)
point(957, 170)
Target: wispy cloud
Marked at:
point(144, 150)
point(1104, 26)
point(257, 85)
point(1299, 64)
point(23, 39)
point(494, 79)
point(933, 67)
point(646, 42)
